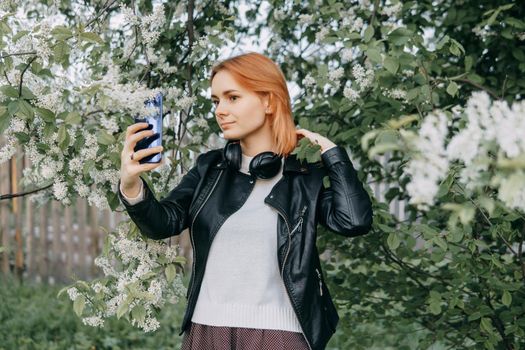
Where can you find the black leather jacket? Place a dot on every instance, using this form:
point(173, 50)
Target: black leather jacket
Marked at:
point(210, 192)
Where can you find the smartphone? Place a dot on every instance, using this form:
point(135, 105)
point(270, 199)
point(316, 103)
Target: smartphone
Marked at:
point(154, 122)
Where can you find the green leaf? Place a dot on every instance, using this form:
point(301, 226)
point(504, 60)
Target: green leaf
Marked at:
point(452, 88)
point(486, 324)
point(369, 33)
point(27, 94)
point(78, 305)
point(400, 36)
point(518, 54)
point(9, 91)
point(506, 298)
point(13, 107)
point(123, 307)
point(46, 114)
point(393, 241)
point(440, 242)
point(5, 120)
point(61, 33)
point(63, 137)
point(91, 37)
point(391, 64)
point(25, 110)
point(435, 307)
point(374, 55)
point(326, 181)
point(170, 272)
point(139, 313)
point(61, 51)
point(105, 138)
point(73, 118)
point(19, 35)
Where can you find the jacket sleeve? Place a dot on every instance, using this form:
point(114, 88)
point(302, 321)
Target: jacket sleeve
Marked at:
point(345, 206)
point(167, 217)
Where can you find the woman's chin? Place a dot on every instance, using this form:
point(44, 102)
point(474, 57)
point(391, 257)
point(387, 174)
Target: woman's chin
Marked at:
point(230, 135)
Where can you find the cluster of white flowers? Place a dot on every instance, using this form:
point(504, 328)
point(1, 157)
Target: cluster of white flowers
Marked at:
point(336, 74)
point(392, 11)
point(82, 189)
point(363, 78)
point(129, 15)
point(8, 150)
point(60, 189)
point(93, 321)
point(151, 24)
point(279, 14)
point(105, 265)
point(137, 278)
point(185, 102)
point(396, 93)
point(320, 35)
point(309, 81)
point(97, 198)
point(490, 125)
point(73, 293)
point(306, 19)
point(491, 128)
point(483, 32)
point(347, 54)
point(350, 93)
point(110, 124)
point(429, 164)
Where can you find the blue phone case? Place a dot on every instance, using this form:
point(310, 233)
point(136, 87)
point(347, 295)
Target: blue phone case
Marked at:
point(155, 122)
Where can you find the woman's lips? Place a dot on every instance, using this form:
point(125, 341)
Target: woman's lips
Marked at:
point(226, 124)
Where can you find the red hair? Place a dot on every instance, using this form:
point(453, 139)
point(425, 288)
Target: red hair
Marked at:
point(259, 74)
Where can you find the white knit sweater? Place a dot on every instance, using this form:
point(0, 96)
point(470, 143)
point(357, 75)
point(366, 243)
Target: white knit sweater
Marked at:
point(242, 286)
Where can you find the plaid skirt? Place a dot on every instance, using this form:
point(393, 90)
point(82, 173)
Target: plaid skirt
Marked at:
point(206, 337)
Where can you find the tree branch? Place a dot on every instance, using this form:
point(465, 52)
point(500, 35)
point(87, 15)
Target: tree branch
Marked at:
point(20, 194)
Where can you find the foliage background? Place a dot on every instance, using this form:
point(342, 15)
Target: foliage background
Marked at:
point(359, 66)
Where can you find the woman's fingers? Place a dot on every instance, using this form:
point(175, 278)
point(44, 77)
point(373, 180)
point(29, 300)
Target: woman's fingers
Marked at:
point(138, 155)
point(132, 140)
point(133, 128)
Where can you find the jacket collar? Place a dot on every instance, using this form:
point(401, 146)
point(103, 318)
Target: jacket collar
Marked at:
point(291, 164)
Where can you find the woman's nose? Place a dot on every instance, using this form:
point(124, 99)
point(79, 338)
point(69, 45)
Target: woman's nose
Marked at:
point(220, 109)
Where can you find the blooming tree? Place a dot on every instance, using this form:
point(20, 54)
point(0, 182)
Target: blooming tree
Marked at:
point(436, 85)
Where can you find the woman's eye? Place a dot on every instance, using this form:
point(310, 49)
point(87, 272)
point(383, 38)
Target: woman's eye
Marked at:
point(234, 96)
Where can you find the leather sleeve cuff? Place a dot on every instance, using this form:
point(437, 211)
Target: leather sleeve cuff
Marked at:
point(335, 155)
point(129, 206)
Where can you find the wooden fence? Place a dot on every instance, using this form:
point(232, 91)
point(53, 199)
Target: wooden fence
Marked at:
point(53, 243)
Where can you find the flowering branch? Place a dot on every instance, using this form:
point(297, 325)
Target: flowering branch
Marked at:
point(20, 194)
point(19, 54)
point(22, 75)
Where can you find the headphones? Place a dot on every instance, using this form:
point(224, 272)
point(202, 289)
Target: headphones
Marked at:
point(264, 165)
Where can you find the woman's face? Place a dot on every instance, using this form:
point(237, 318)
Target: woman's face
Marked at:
point(240, 113)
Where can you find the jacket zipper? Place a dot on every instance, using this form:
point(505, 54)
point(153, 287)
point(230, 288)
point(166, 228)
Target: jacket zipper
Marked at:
point(192, 222)
point(320, 282)
point(282, 270)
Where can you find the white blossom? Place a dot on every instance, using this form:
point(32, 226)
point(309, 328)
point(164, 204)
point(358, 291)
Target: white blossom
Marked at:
point(93, 321)
point(347, 54)
point(305, 19)
point(309, 80)
point(336, 74)
point(363, 78)
point(73, 293)
point(319, 36)
point(392, 11)
point(350, 93)
point(429, 164)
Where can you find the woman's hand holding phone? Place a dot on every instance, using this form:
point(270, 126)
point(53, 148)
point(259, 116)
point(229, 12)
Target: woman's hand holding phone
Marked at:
point(131, 169)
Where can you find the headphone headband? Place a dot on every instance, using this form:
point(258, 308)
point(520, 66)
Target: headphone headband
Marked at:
point(264, 165)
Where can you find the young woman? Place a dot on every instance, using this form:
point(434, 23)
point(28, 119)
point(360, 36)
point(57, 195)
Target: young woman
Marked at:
point(252, 211)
